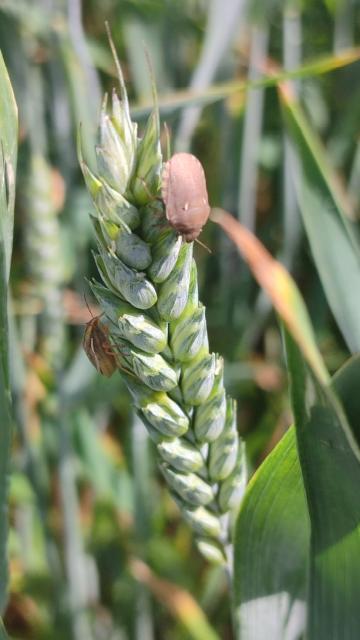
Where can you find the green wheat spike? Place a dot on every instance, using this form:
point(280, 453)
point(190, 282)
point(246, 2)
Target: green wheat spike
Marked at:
point(157, 326)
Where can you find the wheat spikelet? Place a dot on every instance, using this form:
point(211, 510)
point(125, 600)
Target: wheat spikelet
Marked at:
point(157, 325)
point(45, 267)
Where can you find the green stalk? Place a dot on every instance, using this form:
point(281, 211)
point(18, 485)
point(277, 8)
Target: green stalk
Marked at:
point(253, 123)
point(141, 466)
point(46, 271)
point(8, 158)
point(157, 328)
point(292, 39)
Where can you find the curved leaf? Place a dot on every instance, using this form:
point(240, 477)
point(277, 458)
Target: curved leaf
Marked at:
point(333, 243)
point(278, 284)
point(329, 459)
point(186, 98)
point(346, 385)
point(8, 156)
point(178, 601)
point(8, 152)
point(272, 538)
point(271, 549)
point(3, 635)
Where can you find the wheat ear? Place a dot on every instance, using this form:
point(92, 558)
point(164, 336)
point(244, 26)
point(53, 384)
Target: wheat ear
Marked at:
point(157, 328)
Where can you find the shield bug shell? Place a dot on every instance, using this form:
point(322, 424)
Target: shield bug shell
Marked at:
point(98, 347)
point(185, 195)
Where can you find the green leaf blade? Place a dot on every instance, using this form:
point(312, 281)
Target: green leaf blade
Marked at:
point(271, 547)
point(329, 459)
point(272, 538)
point(8, 156)
point(333, 243)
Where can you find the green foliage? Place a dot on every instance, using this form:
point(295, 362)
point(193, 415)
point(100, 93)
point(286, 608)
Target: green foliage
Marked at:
point(271, 549)
point(8, 142)
point(97, 547)
point(273, 592)
point(323, 207)
point(330, 461)
point(3, 635)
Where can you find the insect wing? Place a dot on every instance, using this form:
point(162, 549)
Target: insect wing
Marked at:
point(185, 195)
point(98, 348)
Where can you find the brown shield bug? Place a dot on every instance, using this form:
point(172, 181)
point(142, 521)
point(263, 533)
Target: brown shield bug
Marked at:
point(185, 195)
point(98, 348)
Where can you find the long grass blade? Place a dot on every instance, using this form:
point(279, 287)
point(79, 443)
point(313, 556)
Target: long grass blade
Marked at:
point(219, 33)
point(271, 548)
point(142, 475)
point(330, 463)
point(344, 25)
point(3, 635)
point(292, 41)
point(272, 541)
point(183, 98)
point(178, 601)
point(8, 156)
point(333, 242)
point(252, 131)
point(278, 284)
point(291, 217)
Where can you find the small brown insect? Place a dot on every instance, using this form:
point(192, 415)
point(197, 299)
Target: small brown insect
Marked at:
point(98, 348)
point(185, 195)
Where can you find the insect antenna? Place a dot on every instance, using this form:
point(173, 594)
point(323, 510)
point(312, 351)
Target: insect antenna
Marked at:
point(89, 309)
point(203, 245)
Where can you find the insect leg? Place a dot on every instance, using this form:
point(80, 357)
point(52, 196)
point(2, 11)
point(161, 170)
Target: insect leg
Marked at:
point(108, 349)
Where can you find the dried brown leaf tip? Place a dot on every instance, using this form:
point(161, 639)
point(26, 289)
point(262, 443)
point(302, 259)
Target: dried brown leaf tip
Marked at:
point(185, 195)
point(98, 348)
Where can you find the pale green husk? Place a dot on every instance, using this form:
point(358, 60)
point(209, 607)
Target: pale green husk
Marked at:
point(158, 328)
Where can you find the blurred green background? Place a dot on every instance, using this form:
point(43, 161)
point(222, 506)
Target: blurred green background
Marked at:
point(97, 547)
